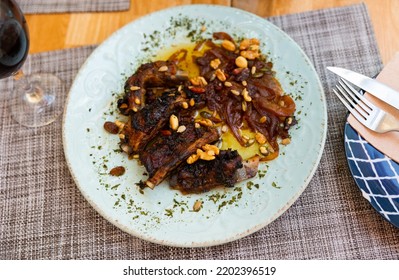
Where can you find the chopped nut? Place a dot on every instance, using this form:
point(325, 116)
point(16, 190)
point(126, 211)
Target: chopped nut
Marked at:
point(198, 81)
point(251, 55)
point(215, 63)
point(286, 141)
point(150, 184)
point(134, 88)
point(253, 47)
point(134, 109)
point(225, 128)
point(228, 45)
point(184, 104)
point(197, 89)
point(121, 136)
point(220, 75)
point(181, 129)
point(202, 80)
point(136, 156)
point(250, 142)
point(117, 171)
point(248, 43)
point(212, 148)
point(263, 119)
point(137, 101)
point(254, 41)
point(163, 68)
point(228, 84)
point(263, 150)
point(192, 102)
point(119, 124)
point(245, 95)
point(244, 106)
point(258, 75)
point(195, 81)
point(111, 127)
point(197, 205)
point(204, 155)
point(260, 138)
point(205, 114)
point(244, 44)
point(244, 83)
point(173, 122)
point(241, 62)
point(213, 77)
point(123, 106)
point(253, 70)
point(193, 158)
point(205, 122)
point(197, 125)
point(235, 92)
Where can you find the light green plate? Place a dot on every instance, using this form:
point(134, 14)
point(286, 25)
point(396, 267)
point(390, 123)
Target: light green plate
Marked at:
point(163, 215)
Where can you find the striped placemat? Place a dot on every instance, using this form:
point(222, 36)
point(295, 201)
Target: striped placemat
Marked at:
point(44, 216)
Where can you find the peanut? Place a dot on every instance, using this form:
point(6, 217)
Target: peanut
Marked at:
point(228, 45)
point(173, 122)
point(241, 62)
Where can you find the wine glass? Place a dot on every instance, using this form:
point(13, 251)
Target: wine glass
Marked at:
point(36, 99)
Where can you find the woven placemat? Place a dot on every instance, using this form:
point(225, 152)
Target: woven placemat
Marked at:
point(67, 6)
point(44, 216)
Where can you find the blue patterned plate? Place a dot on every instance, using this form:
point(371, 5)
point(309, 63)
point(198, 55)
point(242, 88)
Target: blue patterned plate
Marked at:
point(375, 174)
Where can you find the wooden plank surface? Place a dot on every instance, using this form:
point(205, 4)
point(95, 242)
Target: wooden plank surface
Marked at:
point(58, 31)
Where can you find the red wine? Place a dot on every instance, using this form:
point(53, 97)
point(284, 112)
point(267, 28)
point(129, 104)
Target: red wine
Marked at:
point(14, 38)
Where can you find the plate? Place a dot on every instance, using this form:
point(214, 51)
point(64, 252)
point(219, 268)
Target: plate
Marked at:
point(376, 175)
point(165, 216)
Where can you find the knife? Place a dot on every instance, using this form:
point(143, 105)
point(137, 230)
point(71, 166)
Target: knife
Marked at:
point(370, 85)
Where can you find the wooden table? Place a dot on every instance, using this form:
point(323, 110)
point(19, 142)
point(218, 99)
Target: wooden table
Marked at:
point(59, 31)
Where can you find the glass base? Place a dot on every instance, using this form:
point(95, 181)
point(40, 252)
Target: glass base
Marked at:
point(37, 99)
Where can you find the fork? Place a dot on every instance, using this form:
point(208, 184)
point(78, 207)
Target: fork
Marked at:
point(363, 110)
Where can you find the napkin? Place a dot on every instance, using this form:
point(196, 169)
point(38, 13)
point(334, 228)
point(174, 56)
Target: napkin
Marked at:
point(387, 143)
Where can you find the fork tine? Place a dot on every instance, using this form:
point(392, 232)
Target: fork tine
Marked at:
point(352, 100)
point(361, 107)
point(358, 95)
point(351, 109)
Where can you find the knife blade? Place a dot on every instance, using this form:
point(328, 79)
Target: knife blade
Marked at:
point(370, 85)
